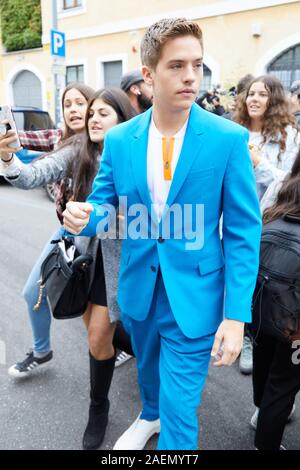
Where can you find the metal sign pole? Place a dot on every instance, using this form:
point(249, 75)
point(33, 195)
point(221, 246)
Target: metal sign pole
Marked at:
point(56, 97)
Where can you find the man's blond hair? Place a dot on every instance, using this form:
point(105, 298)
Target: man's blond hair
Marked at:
point(163, 31)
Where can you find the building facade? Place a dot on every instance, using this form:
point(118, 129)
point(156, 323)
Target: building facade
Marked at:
point(103, 42)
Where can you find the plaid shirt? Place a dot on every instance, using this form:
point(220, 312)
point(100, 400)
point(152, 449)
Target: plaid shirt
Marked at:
point(45, 141)
point(41, 141)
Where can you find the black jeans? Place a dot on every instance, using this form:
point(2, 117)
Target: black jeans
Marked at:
point(276, 381)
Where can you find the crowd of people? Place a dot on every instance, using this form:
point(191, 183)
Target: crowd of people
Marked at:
point(165, 146)
point(223, 102)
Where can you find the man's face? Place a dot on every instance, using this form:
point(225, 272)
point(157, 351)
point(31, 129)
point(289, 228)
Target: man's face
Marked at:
point(145, 95)
point(177, 77)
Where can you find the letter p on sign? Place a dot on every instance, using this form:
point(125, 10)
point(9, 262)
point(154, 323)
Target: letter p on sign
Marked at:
point(58, 43)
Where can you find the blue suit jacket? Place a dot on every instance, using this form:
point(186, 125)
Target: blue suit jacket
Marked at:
point(214, 169)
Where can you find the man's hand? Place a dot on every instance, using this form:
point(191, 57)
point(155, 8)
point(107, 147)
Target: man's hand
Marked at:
point(77, 216)
point(228, 342)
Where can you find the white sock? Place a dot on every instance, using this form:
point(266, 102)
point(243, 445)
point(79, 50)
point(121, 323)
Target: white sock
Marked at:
point(40, 355)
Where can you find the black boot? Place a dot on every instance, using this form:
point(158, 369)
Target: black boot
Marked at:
point(101, 373)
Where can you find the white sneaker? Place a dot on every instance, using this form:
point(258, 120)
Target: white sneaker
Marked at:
point(253, 420)
point(29, 364)
point(246, 357)
point(280, 448)
point(137, 435)
point(121, 358)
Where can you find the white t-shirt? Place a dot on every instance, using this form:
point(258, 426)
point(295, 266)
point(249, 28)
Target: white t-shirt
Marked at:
point(158, 187)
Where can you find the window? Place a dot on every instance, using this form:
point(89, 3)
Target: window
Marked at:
point(32, 120)
point(112, 73)
point(286, 66)
point(74, 73)
point(67, 4)
point(206, 82)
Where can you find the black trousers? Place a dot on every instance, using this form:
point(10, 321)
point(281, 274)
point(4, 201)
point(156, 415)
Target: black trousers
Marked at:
point(276, 381)
point(121, 339)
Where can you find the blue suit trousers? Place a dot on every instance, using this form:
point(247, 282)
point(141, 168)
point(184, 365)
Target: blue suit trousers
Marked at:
point(171, 371)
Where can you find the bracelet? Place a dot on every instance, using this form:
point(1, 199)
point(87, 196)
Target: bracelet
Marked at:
point(7, 161)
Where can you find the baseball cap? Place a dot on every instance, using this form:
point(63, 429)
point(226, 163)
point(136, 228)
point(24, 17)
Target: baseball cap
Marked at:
point(295, 88)
point(131, 78)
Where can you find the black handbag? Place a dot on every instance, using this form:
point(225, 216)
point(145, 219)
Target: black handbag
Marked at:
point(66, 283)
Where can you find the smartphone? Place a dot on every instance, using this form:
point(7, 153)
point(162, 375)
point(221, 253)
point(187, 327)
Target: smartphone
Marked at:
point(7, 115)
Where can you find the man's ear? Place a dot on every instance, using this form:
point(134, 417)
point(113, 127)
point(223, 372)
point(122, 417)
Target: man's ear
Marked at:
point(148, 75)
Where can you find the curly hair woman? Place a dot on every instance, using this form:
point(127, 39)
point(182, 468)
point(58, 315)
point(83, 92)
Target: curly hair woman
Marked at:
point(274, 136)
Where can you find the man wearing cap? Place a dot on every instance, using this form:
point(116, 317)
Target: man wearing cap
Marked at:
point(138, 92)
point(295, 92)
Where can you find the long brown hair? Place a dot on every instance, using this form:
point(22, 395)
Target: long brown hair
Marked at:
point(288, 198)
point(278, 114)
point(85, 166)
point(86, 91)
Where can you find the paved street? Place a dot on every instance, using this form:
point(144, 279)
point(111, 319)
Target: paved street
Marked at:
point(49, 409)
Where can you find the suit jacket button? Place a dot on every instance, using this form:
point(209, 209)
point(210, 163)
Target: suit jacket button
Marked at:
point(153, 268)
point(161, 240)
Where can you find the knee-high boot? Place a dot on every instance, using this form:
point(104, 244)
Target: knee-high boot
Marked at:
point(101, 373)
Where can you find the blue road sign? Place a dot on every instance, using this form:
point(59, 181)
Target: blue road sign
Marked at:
point(58, 43)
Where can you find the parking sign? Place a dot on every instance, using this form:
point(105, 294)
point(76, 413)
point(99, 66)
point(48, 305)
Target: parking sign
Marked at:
point(58, 43)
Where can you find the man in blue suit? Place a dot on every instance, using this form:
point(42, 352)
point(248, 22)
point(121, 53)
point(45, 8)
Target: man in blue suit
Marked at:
point(183, 295)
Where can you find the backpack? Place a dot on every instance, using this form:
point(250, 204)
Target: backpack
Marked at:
point(276, 300)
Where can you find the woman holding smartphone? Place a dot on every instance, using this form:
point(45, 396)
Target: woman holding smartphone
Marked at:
point(74, 104)
point(76, 163)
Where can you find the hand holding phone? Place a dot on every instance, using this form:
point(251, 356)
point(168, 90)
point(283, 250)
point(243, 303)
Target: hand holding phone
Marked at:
point(7, 124)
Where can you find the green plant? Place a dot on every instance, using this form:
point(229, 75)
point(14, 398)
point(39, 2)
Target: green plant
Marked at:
point(21, 24)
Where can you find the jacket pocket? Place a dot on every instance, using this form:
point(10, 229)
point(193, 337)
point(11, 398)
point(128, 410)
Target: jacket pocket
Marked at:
point(211, 264)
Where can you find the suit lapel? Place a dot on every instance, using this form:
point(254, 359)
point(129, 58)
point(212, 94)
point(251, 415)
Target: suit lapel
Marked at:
point(193, 141)
point(139, 146)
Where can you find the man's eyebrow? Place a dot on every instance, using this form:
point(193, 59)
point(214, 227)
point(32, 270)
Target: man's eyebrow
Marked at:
point(200, 59)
